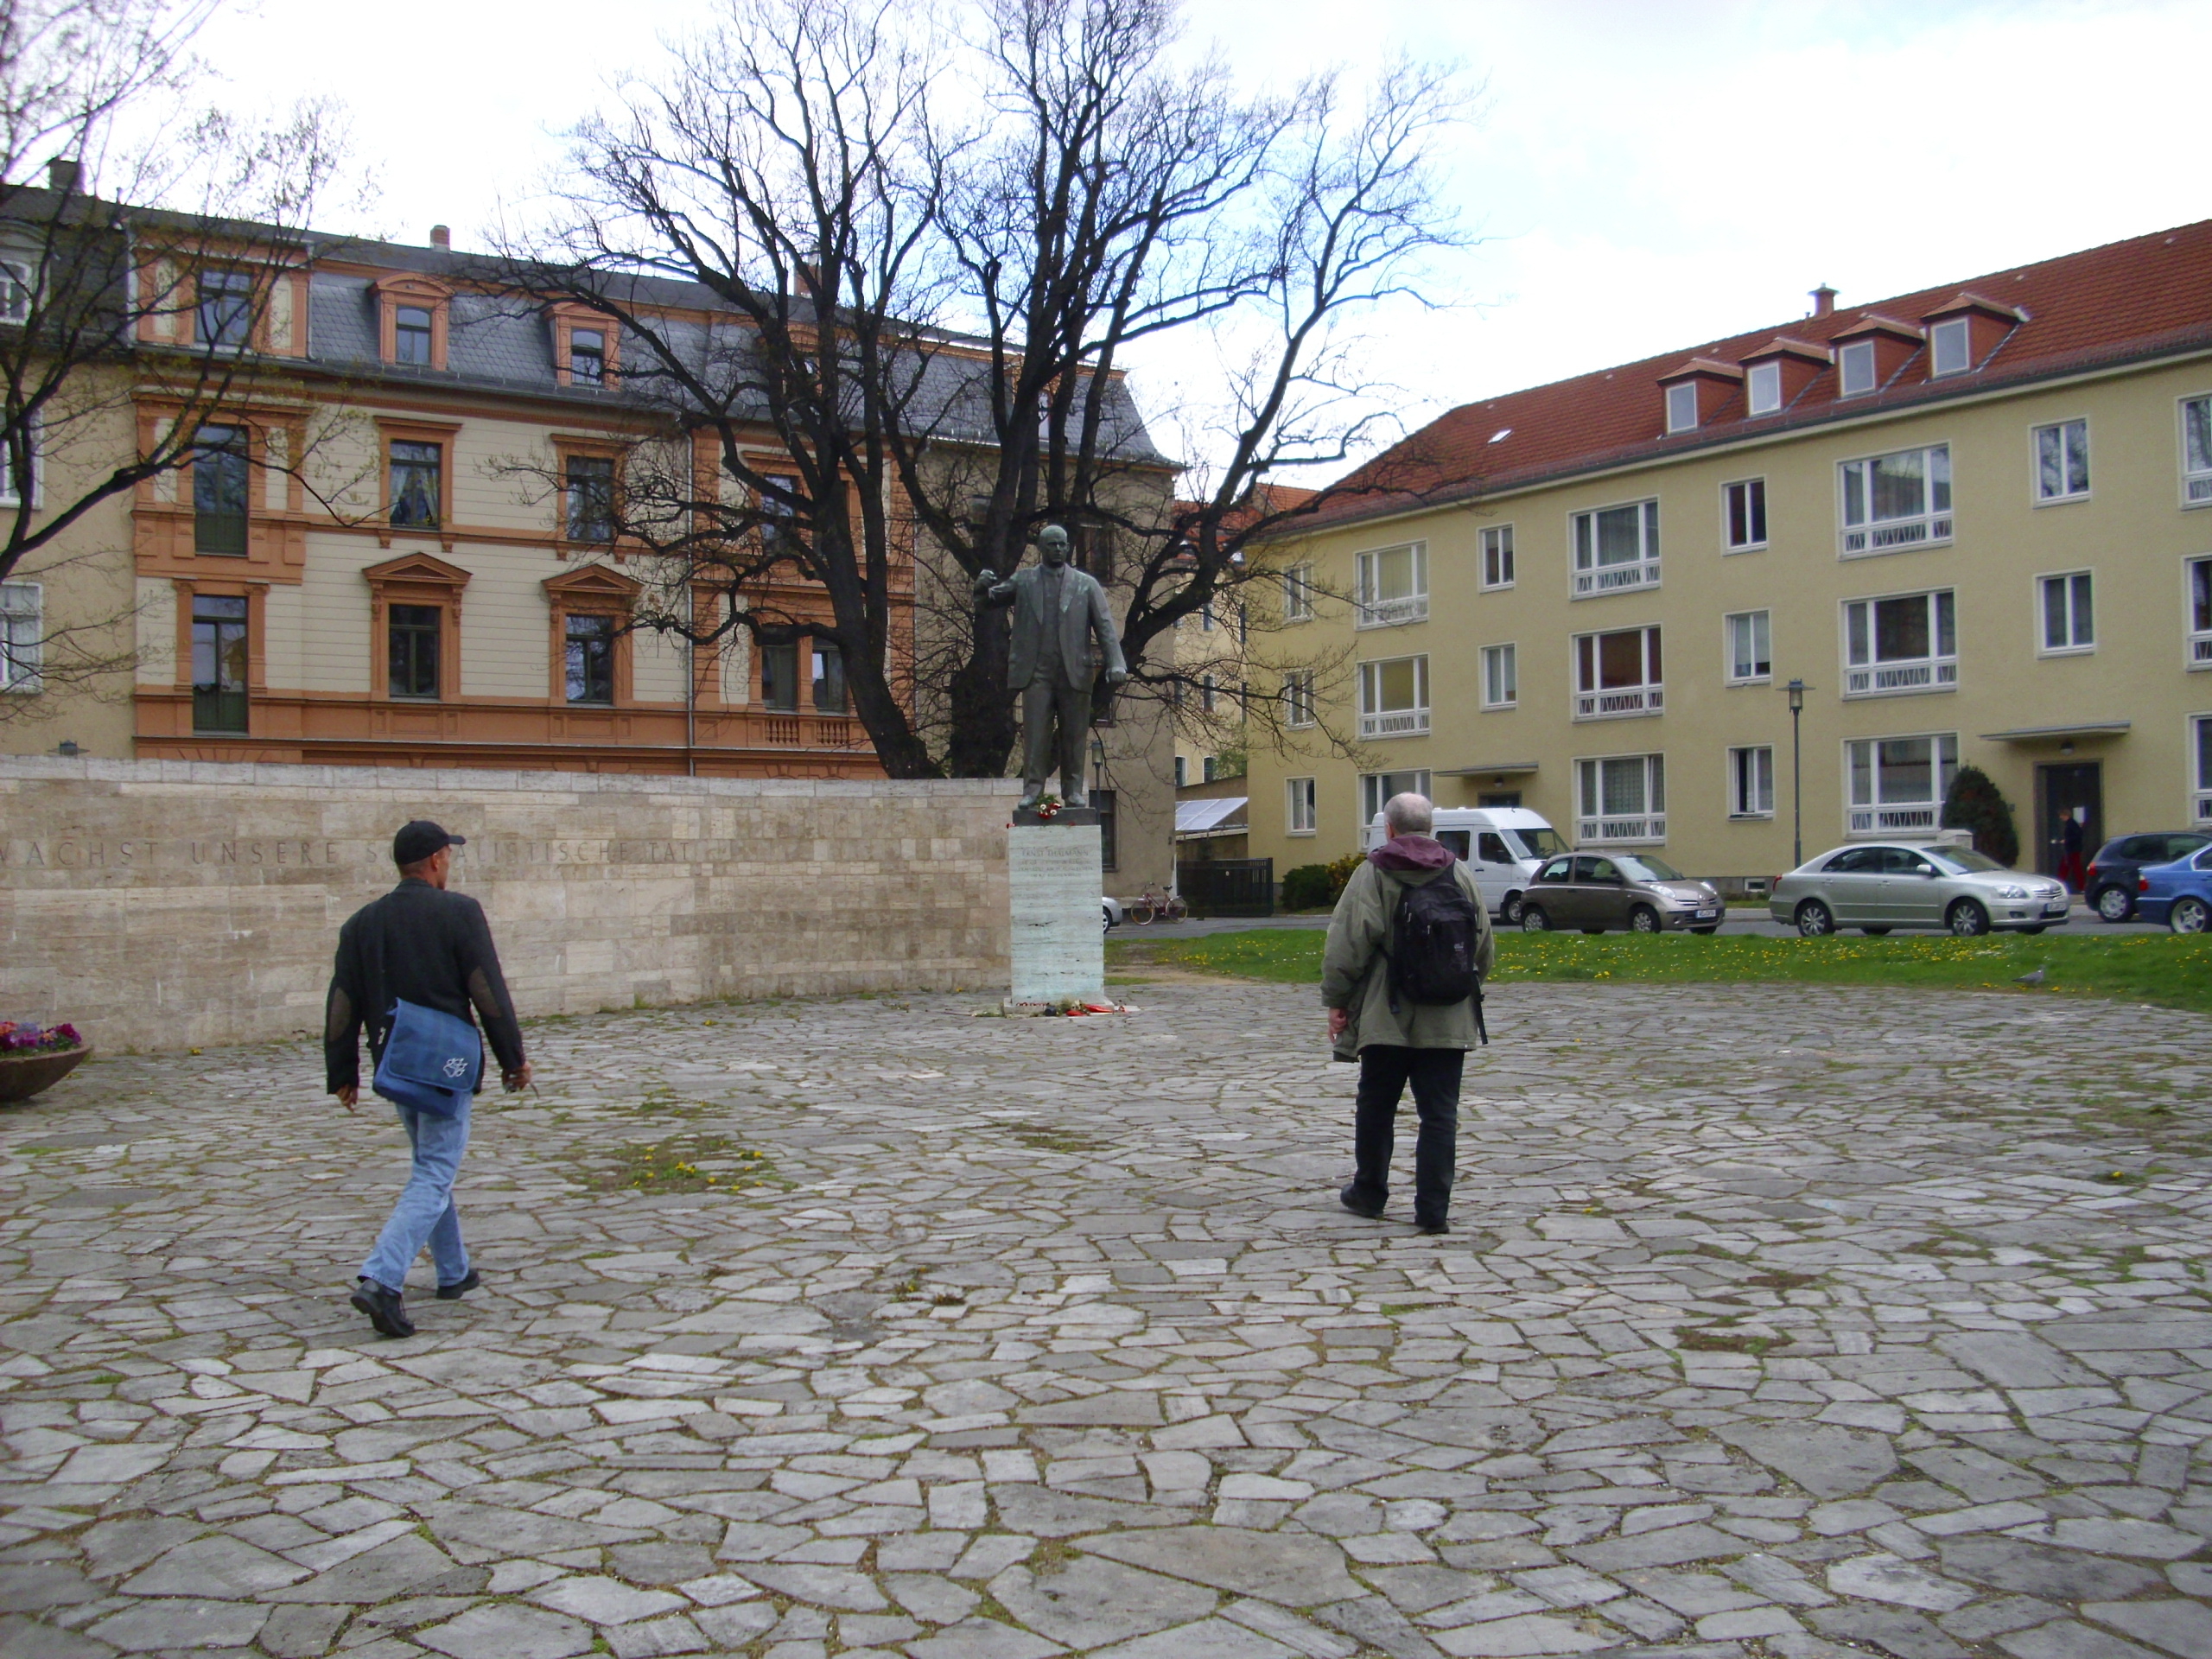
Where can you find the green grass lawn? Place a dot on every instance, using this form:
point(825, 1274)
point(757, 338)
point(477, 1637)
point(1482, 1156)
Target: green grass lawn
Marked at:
point(2132, 967)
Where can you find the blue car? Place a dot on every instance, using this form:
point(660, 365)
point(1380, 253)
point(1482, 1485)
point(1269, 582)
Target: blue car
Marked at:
point(2179, 894)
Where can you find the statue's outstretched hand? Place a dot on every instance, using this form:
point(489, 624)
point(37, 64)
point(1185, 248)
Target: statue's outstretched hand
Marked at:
point(1117, 676)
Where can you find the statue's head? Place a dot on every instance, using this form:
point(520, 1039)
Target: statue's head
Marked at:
point(1052, 546)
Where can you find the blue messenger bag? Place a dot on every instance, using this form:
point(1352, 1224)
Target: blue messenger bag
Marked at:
point(431, 1060)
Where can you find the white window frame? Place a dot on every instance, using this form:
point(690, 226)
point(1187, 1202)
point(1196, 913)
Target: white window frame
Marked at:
point(1754, 491)
point(1300, 812)
point(1647, 696)
point(1377, 723)
point(1931, 527)
point(2200, 761)
point(1500, 665)
point(1958, 329)
point(1497, 557)
point(1372, 612)
point(21, 661)
point(1760, 624)
point(2067, 433)
point(1373, 792)
point(2195, 572)
point(2196, 481)
point(1762, 388)
point(1849, 355)
point(1298, 706)
point(1681, 397)
point(1879, 677)
point(1750, 781)
point(18, 286)
point(1592, 579)
point(2075, 646)
point(1879, 816)
point(1297, 594)
point(1593, 826)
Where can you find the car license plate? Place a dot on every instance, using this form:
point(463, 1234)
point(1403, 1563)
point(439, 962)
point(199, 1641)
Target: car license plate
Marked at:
point(1708, 911)
point(2055, 910)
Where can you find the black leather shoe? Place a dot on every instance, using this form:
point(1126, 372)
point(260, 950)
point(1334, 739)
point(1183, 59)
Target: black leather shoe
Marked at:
point(1365, 1211)
point(1438, 1226)
point(460, 1288)
point(387, 1309)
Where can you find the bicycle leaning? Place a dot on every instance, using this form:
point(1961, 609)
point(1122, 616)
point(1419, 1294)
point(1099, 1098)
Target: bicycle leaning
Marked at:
point(1152, 905)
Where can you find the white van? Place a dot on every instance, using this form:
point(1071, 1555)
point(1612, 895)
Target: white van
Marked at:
point(1503, 847)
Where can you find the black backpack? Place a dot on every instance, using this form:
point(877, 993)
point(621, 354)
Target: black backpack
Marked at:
point(1435, 932)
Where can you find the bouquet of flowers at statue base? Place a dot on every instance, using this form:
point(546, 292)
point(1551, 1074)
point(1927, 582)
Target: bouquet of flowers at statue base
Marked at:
point(25, 1038)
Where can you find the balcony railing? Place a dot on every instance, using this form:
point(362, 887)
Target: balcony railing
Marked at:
point(1893, 533)
point(1616, 831)
point(2200, 649)
point(1616, 578)
point(1620, 701)
point(1891, 820)
point(1885, 679)
point(2197, 487)
point(1394, 722)
point(218, 711)
point(2204, 806)
point(1391, 612)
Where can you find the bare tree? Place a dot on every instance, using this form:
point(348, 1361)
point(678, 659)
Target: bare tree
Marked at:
point(138, 270)
point(935, 260)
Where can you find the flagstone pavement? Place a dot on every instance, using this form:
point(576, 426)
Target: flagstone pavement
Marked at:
point(1779, 1321)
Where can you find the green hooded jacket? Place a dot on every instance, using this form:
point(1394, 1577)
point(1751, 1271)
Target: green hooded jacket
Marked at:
point(1355, 973)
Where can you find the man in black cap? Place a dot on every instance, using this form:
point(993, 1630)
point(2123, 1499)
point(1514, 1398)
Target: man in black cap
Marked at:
point(425, 945)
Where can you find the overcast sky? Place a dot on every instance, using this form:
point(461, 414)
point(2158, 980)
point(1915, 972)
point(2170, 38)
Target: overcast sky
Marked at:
point(1648, 174)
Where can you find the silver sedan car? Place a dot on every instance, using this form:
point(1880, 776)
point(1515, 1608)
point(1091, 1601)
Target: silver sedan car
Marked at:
point(1889, 885)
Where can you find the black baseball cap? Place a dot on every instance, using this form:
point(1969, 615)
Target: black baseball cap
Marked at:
point(417, 841)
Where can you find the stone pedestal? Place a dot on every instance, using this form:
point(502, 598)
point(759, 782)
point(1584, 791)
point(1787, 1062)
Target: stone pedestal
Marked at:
point(1054, 882)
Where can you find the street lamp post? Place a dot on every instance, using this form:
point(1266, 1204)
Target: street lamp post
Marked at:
point(1796, 776)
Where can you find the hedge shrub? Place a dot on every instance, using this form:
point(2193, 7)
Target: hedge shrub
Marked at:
point(1976, 804)
point(1318, 887)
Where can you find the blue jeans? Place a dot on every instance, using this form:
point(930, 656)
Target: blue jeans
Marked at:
point(425, 1212)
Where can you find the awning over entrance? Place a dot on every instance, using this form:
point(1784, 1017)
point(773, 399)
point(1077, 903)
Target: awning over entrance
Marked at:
point(1499, 769)
point(2075, 728)
point(1210, 817)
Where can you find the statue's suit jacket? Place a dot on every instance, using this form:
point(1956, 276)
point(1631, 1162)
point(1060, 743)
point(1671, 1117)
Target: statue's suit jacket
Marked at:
point(1083, 612)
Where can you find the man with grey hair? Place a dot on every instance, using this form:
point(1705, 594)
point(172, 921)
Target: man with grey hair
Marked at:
point(1409, 946)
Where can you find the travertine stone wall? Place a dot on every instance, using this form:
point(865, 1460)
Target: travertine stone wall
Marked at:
point(162, 904)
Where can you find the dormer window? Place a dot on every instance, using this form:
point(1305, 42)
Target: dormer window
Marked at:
point(1697, 391)
point(1682, 407)
point(411, 320)
point(588, 357)
point(411, 332)
point(587, 350)
point(226, 315)
point(1855, 369)
point(1950, 348)
point(1763, 388)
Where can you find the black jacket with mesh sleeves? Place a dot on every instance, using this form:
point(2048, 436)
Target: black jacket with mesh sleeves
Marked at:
point(425, 945)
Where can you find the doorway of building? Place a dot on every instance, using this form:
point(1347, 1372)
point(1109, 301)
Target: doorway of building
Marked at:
point(2078, 788)
point(1499, 798)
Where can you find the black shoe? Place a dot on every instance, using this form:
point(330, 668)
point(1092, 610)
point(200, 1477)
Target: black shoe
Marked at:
point(1365, 1211)
point(455, 1292)
point(387, 1309)
point(1440, 1225)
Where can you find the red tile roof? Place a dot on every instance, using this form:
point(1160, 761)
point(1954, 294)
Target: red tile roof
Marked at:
point(2144, 298)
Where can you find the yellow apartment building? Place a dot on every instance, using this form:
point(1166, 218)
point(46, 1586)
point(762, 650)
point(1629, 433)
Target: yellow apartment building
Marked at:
point(1975, 523)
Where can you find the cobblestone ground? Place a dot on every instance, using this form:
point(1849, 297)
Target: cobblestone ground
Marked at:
point(1780, 1321)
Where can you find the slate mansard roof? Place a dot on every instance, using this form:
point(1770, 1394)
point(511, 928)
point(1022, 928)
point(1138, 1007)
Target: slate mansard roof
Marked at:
point(504, 344)
point(2137, 300)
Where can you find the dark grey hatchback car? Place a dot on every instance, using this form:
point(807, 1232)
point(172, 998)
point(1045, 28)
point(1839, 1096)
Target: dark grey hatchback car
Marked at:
point(2108, 885)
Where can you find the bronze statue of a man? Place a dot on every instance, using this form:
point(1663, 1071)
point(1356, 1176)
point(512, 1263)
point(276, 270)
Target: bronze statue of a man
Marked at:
point(1057, 610)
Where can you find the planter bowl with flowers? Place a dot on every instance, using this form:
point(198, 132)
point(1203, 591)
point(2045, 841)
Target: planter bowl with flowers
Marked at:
point(33, 1058)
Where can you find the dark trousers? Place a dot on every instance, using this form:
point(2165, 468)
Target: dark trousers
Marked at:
point(1042, 747)
point(1383, 1074)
